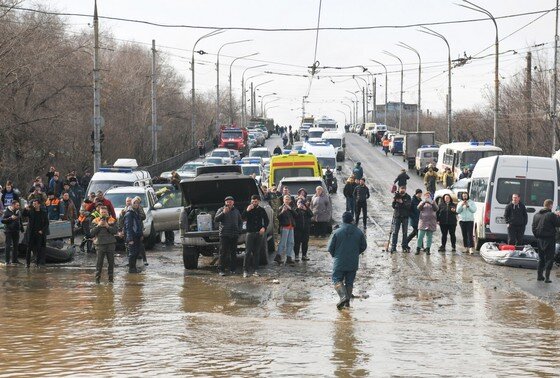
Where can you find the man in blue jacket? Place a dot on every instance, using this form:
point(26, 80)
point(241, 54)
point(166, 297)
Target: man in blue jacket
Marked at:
point(345, 246)
point(133, 234)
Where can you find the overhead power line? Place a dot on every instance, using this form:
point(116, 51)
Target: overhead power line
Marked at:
point(315, 29)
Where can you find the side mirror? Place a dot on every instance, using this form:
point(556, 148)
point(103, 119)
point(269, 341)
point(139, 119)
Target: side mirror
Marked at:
point(158, 206)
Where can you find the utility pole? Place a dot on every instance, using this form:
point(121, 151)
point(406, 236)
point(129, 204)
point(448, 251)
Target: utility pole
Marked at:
point(374, 112)
point(528, 103)
point(96, 95)
point(364, 104)
point(252, 100)
point(154, 105)
point(555, 83)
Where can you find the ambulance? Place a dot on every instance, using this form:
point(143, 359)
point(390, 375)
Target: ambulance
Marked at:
point(293, 164)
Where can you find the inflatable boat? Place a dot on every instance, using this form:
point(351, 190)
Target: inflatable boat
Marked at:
point(55, 252)
point(523, 256)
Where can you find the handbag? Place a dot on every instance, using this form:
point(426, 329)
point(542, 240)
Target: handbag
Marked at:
point(394, 188)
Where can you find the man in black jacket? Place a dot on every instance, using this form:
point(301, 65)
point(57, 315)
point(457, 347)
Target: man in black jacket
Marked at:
point(516, 219)
point(37, 230)
point(257, 223)
point(12, 228)
point(402, 178)
point(230, 228)
point(544, 229)
point(401, 212)
point(302, 229)
point(361, 194)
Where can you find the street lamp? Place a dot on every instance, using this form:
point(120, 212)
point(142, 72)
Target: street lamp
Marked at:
point(402, 75)
point(479, 9)
point(272, 107)
point(263, 97)
point(193, 110)
point(364, 95)
point(419, 108)
point(374, 94)
point(436, 34)
point(243, 92)
point(344, 114)
point(356, 102)
point(218, 79)
point(386, 85)
point(264, 108)
point(349, 109)
point(230, 95)
point(253, 96)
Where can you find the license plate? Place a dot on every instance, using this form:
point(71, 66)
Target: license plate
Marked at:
point(214, 238)
point(500, 220)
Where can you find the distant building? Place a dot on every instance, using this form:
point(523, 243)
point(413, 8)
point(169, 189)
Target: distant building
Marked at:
point(393, 110)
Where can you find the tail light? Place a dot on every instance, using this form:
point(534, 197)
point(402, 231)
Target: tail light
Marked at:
point(487, 213)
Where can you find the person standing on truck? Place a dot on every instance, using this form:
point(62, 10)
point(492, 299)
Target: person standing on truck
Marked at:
point(544, 227)
point(402, 179)
point(104, 231)
point(358, 171)
point(401, 212)
point(516, 218)
point(346, 245)
point(348, 192)
point(231, 225)
point(361, 195)
point(430, 179)
point(257, 223)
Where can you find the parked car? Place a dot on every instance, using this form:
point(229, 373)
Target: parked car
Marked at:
point(262, 152)
point(215, 161)
point(456, 190)
point(187, 170)
point(223, 153)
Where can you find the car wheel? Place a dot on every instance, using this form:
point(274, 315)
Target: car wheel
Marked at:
point(478, 242)
point(263, 257)
point(151, 240)
point(190, 257)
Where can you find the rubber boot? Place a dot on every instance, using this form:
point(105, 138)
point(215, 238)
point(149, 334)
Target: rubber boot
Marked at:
point(547, 276)
point(417, 251)
point(341, 291)
point(349, 289)
point(540, 276)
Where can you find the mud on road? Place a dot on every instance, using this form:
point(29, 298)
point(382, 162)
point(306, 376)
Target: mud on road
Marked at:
point(444, 314)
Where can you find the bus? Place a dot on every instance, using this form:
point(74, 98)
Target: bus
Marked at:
point(293, 164)
point(460, 155)
point(325, 123)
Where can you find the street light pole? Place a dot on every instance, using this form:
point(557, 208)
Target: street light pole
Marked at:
point(479, 9)
point(555, 83)
point(374, 94)
point(344, 114)
point(262, 100)
point(230, 94)
point(193, 103)
point(436, 34)
point(263, 106)
point(419, 107)
point(402, 76)
point(355, 106)
point(272, 107)
point(364, 95)
point(218, 79)
point(254, 96)
point(349, 108)
point(386, 86)
point(243, 98)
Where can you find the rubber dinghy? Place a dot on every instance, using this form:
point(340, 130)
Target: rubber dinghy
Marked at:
point(508, 255)
point(55, 252)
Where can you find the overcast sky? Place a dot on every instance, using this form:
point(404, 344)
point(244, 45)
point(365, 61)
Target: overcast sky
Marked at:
point(293, 52)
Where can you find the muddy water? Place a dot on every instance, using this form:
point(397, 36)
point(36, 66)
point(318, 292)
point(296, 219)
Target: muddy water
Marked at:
point(57, 322)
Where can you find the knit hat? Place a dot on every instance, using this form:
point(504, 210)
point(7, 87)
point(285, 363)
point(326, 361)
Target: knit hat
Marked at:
point(418, 191)
point(347, 217)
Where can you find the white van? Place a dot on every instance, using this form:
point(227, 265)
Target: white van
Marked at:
point(496, 178)
point(336, 139)
point(122, 173)
point(315, 132)
point(325, 153)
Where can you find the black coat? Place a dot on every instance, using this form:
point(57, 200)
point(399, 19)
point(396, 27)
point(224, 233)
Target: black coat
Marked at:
point(348, 190)
point(38, 221)
point(402, 179)
point(256, 219)
point(303, 219)
point(12, 225)
point(286, 217)
point(445, 215)
point(545, 223)
point(401, 209)
point(516, 215)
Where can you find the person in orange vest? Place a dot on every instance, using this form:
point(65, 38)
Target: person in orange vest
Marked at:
point(53, 206)
point(386, 146)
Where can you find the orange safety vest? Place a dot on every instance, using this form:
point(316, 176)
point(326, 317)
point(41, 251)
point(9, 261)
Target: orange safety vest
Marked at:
point(386, 142)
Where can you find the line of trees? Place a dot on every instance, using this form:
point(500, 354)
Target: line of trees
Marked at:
point(46, 99)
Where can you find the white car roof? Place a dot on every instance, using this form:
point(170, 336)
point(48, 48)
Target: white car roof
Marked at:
point(128, 189)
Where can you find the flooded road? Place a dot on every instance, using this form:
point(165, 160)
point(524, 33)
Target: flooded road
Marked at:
point(444, 314)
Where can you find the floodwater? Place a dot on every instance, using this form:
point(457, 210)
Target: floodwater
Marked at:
point(439, 315)
point(56, 321)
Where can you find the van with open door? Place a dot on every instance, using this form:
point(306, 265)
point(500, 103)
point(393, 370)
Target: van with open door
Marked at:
point(496, 178)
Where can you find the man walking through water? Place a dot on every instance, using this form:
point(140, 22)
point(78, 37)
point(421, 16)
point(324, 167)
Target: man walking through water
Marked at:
point(346, 245)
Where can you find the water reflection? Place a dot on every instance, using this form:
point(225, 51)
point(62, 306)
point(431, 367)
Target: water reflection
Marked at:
point(347, 357)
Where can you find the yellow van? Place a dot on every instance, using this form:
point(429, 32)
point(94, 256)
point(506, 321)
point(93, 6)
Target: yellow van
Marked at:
point(293, 165)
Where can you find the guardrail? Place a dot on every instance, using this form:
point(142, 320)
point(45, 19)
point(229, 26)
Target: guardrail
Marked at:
point(174, 162)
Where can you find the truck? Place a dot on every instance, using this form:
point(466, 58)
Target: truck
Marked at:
point(412, 141)
point(234, 138)
point(264, 124)
point(306, 124)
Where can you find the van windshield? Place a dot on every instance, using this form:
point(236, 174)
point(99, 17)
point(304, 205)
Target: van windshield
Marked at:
point(335, 142)
point(104, 185)
point(532, 192)
point(315, 134)
point(327, 162)
point(470, 158)
point(279, 174)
